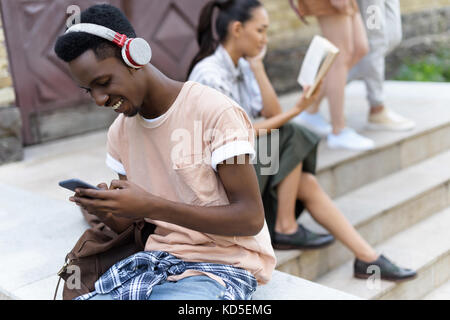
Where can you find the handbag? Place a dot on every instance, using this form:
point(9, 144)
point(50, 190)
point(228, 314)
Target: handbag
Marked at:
point(95, 252)
point(321, 8)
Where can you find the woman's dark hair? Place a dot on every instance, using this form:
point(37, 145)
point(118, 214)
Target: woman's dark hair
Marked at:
point(229, 11)
point(70, 46)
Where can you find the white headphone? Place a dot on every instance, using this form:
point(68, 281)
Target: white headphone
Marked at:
point(136, 52)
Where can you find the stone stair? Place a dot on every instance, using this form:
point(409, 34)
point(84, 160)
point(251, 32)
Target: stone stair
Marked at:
point(378, 211)
point(423, 247)
point(440, 293)
point(397, 197)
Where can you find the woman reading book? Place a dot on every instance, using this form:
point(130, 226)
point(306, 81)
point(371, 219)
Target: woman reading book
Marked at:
point(233, 64)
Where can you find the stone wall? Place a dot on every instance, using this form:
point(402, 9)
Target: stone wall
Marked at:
point(10, 135)
point(286, 29)
point(424, 32)
point(425, 24)
point(6, 89)
point(10, 121)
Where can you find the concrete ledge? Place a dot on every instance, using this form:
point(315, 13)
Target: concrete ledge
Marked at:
point(37, 232)
point(284, 286)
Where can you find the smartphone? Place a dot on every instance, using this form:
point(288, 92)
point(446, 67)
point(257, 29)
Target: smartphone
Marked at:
point(72, 184)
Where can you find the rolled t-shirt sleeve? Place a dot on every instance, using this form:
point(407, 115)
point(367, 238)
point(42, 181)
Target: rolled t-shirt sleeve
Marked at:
point(232, 136)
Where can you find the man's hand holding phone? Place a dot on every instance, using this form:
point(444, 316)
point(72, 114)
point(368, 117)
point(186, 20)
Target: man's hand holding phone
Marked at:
point(122, 199)
point(79, 195)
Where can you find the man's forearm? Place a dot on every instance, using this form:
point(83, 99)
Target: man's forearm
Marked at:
point(227, 220)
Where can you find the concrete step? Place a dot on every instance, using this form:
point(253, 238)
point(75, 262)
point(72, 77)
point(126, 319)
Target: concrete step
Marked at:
point(39, 226)
point(33, 196)
point(423, 247)
point(36, 233)
point(425, 103)
point(377, 211)
point(284, 286)
point(440, 293)
point(46, 164)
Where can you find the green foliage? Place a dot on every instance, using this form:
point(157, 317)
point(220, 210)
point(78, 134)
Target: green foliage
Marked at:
point(433, 67)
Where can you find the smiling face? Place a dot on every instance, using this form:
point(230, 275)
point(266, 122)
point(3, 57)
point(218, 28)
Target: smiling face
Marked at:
point(110, 82)
point(253, 34)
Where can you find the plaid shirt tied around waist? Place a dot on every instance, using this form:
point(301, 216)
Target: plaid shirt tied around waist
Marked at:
point(134, 277)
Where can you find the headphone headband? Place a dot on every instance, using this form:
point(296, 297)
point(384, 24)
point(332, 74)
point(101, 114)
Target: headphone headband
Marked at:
point(136, 52)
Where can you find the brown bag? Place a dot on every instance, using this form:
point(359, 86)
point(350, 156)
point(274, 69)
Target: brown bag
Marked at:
point(95, 252)
point(321, 8)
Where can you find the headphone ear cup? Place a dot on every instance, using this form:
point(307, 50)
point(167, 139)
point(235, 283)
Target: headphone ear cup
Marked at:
point(136, 52)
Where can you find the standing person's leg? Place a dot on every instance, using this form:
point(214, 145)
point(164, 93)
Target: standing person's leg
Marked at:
point(360, 41)
point(371, 68)
point(382, 21)
point(342, 31)
point(394, 21)
point(338, 30)
point(311, 118)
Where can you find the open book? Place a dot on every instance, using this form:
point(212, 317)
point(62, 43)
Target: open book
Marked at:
point(318, 60)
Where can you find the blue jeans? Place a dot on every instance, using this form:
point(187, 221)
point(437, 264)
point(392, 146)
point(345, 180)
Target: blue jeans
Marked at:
point(190, 288)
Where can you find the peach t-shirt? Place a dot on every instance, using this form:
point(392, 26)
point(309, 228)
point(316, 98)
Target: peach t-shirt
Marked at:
point(175, 157)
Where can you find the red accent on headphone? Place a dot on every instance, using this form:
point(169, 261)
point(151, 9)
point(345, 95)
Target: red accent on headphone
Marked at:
point(120, 39)
point(127, 51)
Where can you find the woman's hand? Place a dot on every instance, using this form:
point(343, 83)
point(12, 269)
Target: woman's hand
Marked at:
point(305, 102)
point(123, 199)
point(258, 59)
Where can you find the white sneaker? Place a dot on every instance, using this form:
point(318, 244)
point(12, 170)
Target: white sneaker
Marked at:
point(314, 122)
point(389, 120)
point(349, 139)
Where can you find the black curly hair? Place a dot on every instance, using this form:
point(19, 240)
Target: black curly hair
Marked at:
point(70, 46)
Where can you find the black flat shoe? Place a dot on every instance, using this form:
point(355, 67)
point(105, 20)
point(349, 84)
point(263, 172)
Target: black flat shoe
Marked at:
point(388, 270)
point(303, 239)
